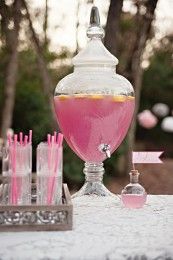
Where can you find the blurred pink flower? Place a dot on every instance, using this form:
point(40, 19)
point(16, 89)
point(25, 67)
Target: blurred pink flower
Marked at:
point(147, 119)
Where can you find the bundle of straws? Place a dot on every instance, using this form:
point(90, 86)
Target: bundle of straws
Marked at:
point(54, 143)
point(14, 144)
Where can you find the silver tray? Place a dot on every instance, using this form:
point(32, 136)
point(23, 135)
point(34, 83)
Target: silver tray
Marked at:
point(36, 217)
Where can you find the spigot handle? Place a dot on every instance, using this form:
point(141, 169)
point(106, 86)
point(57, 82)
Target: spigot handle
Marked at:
point(108, 153)
point(105, 148)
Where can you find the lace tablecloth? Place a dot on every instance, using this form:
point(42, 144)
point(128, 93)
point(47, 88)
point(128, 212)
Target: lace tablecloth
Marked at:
point(103, 229)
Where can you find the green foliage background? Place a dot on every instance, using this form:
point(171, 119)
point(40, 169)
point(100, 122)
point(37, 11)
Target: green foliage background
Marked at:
point(158, 88)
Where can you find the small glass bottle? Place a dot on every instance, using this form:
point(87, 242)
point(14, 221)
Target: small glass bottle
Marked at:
point(133, 195)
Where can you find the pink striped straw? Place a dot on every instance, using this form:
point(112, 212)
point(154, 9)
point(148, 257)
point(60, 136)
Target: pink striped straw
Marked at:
point(52, 183)
point(14, 183)
point(30, 136)
point(60, 139)
point(15, 139)
point(25, 140)
point(21, 137)
point(52, 142)
point(49, 150)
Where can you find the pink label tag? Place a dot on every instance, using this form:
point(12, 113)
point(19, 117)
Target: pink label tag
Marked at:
point(146, 157)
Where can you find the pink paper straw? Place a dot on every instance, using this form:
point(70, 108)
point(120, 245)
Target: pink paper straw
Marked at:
point(25, 140)
point(54, 173)
point(30, 136)
point(21, 138)
point(14, 182)
point(49, 150)
point(51, 144)
point(11, 159)
point(50, 162)
point(60, 139)
point(52, 184)
point(59, 142)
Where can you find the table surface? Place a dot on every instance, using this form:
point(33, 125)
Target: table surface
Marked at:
point(103, 229)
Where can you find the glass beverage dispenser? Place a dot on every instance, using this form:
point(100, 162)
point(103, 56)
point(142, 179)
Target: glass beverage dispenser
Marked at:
point(94, 107)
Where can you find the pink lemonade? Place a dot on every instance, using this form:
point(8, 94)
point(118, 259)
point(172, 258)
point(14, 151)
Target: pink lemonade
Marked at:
point(134, 200)
point(87, 121)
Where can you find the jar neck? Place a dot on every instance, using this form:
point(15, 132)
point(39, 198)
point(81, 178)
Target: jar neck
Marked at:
point(93, 172)
point(94, 68)
point(134, 176)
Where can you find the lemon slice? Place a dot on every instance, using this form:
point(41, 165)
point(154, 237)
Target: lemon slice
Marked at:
point(80, 95)
point(96, 97)
point(63, 97)
point(119, 98)
point(130, 98)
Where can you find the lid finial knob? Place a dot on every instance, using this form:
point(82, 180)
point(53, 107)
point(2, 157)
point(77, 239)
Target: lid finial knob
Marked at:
point(95, 30)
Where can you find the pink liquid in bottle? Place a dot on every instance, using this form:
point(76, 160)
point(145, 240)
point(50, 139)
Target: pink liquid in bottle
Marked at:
point(87, 121)
point(134, 200)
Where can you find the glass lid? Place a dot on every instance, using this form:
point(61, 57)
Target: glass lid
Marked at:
point(95, 52)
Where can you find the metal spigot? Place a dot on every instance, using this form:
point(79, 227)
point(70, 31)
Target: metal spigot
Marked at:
point(105, 148)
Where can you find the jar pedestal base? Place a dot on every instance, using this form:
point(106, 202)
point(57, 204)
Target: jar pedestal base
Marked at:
point(90, 188)
point(93, 181)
